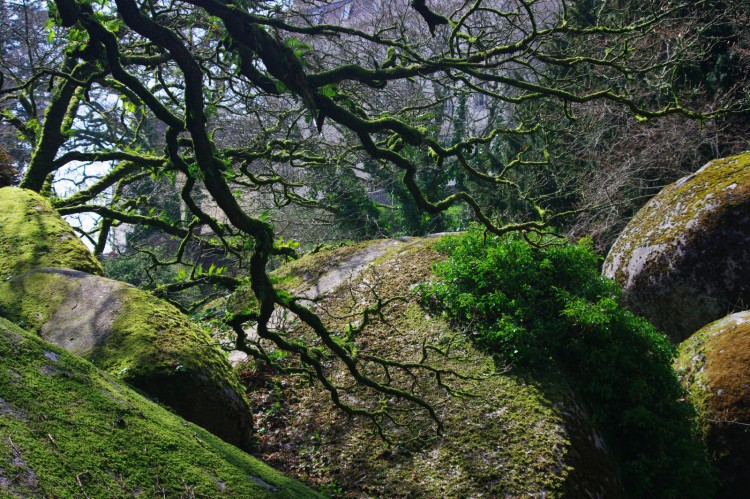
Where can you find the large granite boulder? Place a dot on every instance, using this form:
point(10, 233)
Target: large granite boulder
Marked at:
point(125, 331)
point(684, 259)
point(714, 365)
point(137, 338)
point(70, 430)
point(33, 235)
point(511, 435)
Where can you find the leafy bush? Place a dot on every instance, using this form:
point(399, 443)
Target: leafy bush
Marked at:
point(542, 304)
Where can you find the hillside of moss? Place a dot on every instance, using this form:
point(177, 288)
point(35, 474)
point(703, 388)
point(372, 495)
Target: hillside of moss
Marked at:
point(136, 337)
point(506, 433)
point(69, 430)
point(33, 235)
point(684, 259)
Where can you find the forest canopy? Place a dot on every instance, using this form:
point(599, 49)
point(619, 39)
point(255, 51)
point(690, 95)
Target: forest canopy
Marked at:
point(210, 136)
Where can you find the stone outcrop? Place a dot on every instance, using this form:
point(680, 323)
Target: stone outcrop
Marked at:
point(714, 365)
point(684, 259)
point(513, 437)
point(135, 337)
point(70, 430)
point(33, 235)
point(46, 284)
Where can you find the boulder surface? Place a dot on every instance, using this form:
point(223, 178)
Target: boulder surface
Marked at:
point(70, 430)
point(506, 434)
point(684, 259)
point(135, 337)
point(33, 235)
point(715, 368)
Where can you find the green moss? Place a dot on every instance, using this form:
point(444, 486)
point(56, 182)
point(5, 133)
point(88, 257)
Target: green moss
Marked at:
point(694, 196)
point(67, 429)
point(691, 370)
point(148, 335)
point(31, 300)
point(33, 235)
point(310, 268)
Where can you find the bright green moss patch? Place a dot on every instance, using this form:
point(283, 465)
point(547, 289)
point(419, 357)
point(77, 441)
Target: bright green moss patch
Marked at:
point(67, 429)
point(146, 335)
point(33, 235)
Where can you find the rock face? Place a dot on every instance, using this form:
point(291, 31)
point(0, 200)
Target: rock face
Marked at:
point(135, 337)
point(513, 437)
point(125, 331)
point(684, 259)
point(715, 368)
point(69, 430)
point(33, 235)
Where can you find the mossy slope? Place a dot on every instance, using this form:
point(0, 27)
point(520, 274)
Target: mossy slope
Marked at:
point(33, 235)
point(516, 436)
point(69, 430)
point(136, 337)
point(684, 259)
point(714, 365)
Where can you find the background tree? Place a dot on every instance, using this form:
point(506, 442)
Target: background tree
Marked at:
point(248, 106)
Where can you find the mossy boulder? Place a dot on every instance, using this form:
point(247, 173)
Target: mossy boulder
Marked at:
point(69, 430)
point(136, 337)
point(684, 259)
point(507, 433)
point(33, 235)
point(714, 365)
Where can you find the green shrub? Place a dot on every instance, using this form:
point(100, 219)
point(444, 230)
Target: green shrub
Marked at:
point(535, 305)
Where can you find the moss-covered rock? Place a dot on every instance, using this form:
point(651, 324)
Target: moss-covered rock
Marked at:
point(33, 235)
point(69, 430)
point(510, 435)
point(135, 337)
point(684, 259)
point(714, 365)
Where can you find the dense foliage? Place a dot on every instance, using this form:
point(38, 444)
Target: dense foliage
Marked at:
point(219, 130)
point(545, 304)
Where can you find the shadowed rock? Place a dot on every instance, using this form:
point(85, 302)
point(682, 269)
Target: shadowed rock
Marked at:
point(684, 259)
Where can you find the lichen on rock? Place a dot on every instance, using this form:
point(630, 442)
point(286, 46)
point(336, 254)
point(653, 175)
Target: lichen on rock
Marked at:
point(70, 430)
point(135, 337)
point(33, 235)
point(684, 259)
point(714, 366)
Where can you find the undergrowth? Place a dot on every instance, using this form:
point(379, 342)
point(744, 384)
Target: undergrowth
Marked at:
point(541, 304)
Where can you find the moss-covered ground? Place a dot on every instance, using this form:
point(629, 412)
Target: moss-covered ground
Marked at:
point(69, 430)
point(33, 235)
